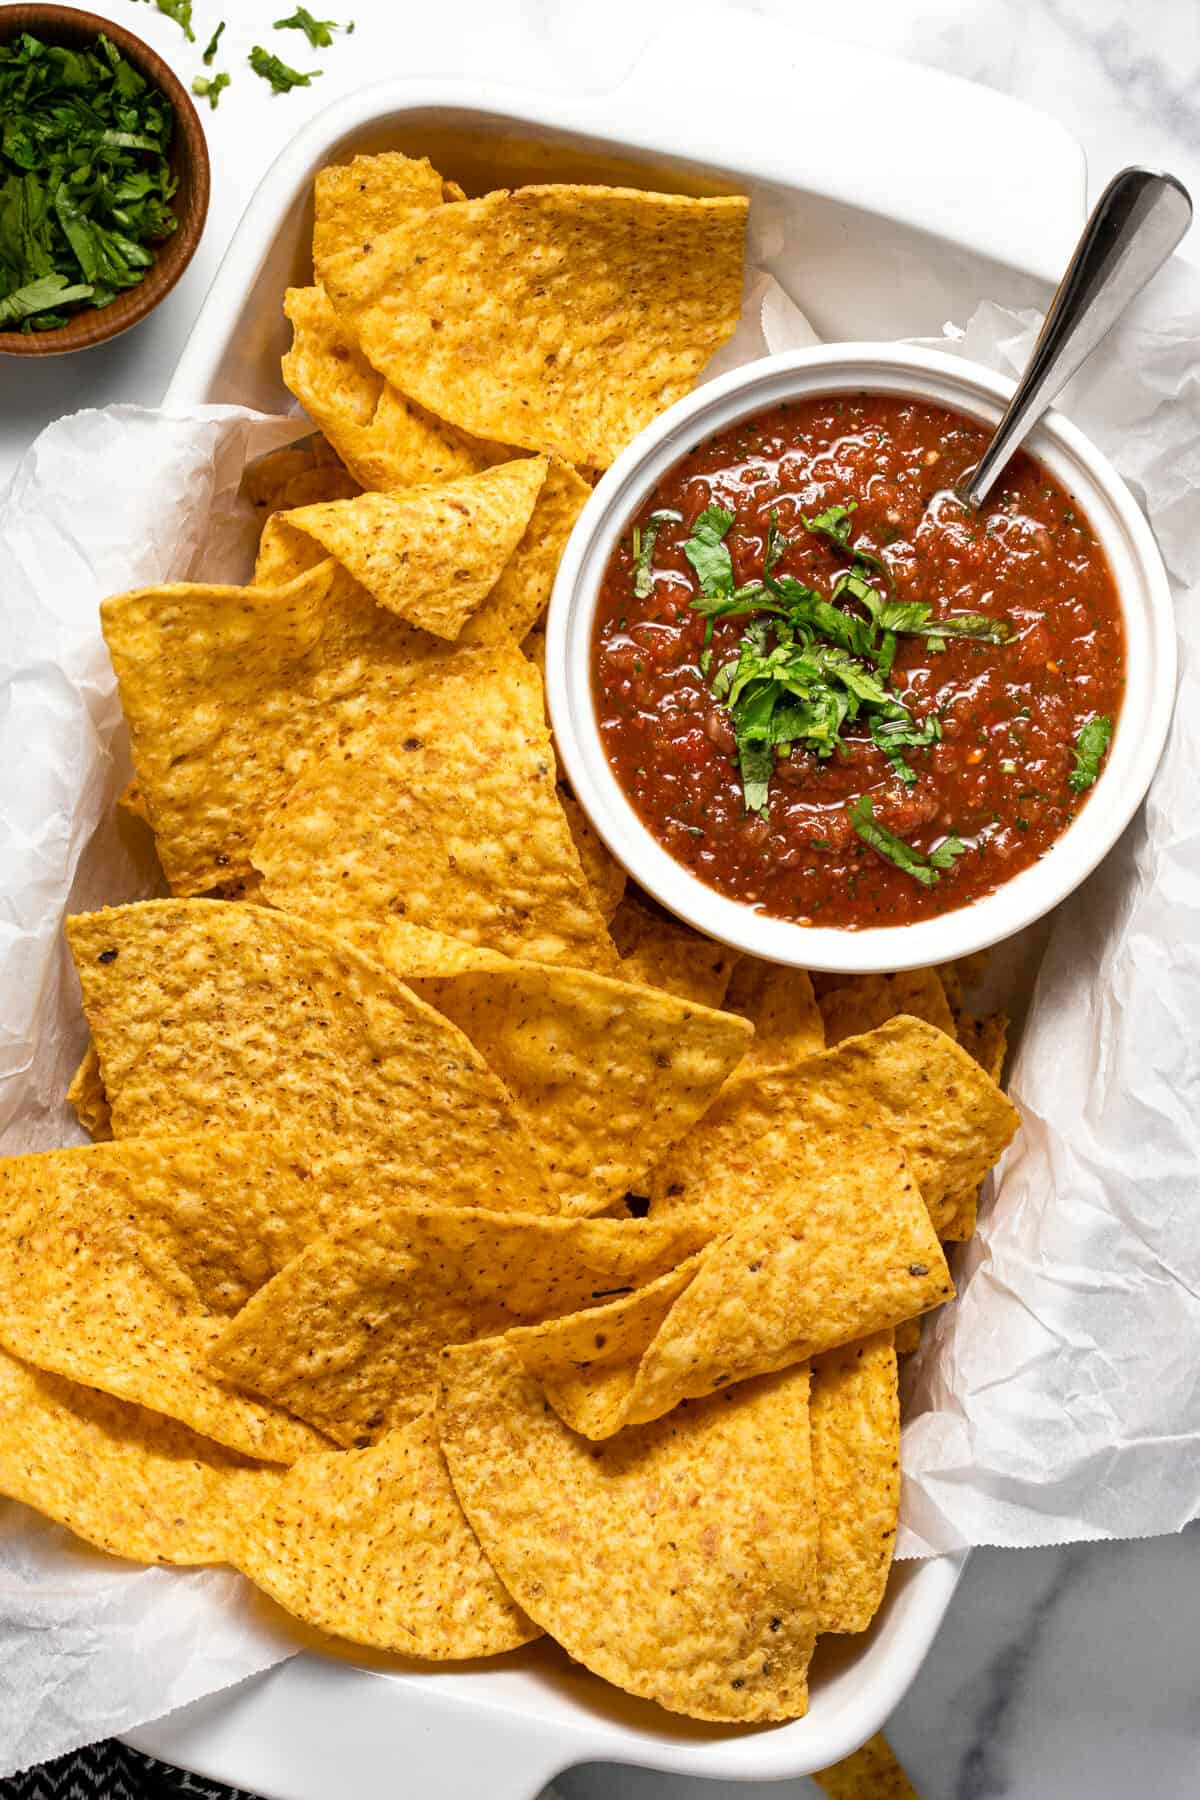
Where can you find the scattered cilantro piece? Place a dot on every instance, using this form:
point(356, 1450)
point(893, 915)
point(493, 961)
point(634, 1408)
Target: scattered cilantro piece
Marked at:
point(210, 49)
point(181, 12)
point(281, 78)
point(1090, 747)
point(708, 552)
point(317, 31)
point(643, 549)
point(85, 184)
point(834, 523)
point(210, 88)
point(925, 869)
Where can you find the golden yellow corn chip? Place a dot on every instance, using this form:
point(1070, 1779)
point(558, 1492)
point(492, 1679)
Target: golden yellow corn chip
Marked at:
point(986, 1040)
point(781, 1006)
point(353, 202)
point(87, 1095)
point(132, 801)
point(677, 1560)
point(386, 440)
point(324, 482)
point(872, 1773)
point(870, 1000)
point(120, 1264)
point(442, 813)
point(372, 1546)
point(561, 318)
point(605, 1074)
point(908, 1336)
point(230, 691)
point(855, 1412)
point(605, 876)
point(906, 1078)
point(128, 1481)
point(520, 597)
point(431, 555)
point(965, 972)
point(212, 1016)
point(349, 1332)
point(263, 480)
point(660, 951)
point(284, 554)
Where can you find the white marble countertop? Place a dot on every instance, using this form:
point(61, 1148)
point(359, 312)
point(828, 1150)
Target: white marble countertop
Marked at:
point(1059, 1673)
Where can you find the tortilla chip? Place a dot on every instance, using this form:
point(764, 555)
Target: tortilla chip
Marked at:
point(677, 1560)
point(443, 813)
point(349, 1332)
point(132, 801)
point(386, 440)
point(872, 1773)
point(660, 951)
point(263, 480)
point(780, 1004)
point(606, 1075)
point(355, 201)
point(519, 599)
point(372, 1546)
point(324, 482)
point(986, 1040)
point(855, 1411)
point(229, 692)
point(561, 318)
point(905, 1078)
point(605, 876)
point(126, 1480)
point(88, 1096)
point(208, 1016)
point(431, 555)
point(284, 554)
point(120, 1263)
point(908, 1337)
point(966, 972)
point(870, 1000)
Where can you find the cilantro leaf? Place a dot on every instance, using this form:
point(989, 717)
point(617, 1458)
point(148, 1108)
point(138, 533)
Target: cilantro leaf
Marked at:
point(210, 88)
point(1090, 748)
point(210, 49)
point(834, 523)
point(317, 31)
point(39, 296)
point(925, 869)
point(280, 76)
point(775, 546)
point(643, 549)
point(181, 12)
point(708, 552)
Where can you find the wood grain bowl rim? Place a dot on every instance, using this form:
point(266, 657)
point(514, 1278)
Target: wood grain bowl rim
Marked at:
point(189, 159)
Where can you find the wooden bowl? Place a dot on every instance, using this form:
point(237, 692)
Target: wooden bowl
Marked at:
point(188, 159)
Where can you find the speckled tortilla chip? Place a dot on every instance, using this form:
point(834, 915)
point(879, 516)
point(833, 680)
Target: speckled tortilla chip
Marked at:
point(229, 692)
point(263, 480)
point(209, 1016)
point(127, 1480)
point(780, 1004)
point(662, 952)
point(373, 1546)
point(872, 1773)
point(284, 554)
point(355, 201)
point(349, 1333)
point(120, 1264)
point(677, 1560)
point(986, 1040)
point(560, 318)
point(870, 1000)
point(520, 598)
point(431, 555)
point(605, 876)
point(442, 813)
point(908, 1337)
point(386, 440)
point(906, 1078)
point(855, 1411)
point(605, 1074)
point(87, 1095)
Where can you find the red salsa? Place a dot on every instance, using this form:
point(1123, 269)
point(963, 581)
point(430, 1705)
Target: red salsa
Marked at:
point(833, 692)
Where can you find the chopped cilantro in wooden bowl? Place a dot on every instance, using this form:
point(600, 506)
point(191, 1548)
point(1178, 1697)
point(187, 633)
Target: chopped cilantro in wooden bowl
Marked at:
point(104, 179)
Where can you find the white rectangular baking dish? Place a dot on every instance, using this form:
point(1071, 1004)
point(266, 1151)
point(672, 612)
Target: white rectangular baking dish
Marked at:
point(898, 231)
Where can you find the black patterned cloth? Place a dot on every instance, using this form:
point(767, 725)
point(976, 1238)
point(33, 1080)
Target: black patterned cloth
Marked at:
point(111, 1771)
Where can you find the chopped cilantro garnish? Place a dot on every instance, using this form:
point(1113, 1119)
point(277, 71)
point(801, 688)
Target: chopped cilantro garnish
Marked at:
point(1090, 748)
point(210, 49)
point(281, 78)
point(210, 88)
point(925, 869)
point(643, 549)
point(317, 31)
point(181, 12)
point(85, 184)
point(708, 553)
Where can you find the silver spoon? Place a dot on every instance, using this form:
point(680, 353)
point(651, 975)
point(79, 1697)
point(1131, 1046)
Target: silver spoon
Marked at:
point(1136, 223)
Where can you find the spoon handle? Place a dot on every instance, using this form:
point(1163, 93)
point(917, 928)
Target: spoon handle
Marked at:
point(1135, 225)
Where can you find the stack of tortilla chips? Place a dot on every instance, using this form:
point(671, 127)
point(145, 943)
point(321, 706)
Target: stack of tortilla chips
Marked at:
point(468, 1251)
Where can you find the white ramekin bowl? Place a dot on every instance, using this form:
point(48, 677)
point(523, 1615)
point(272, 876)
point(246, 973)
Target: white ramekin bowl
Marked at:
point(1149, 646)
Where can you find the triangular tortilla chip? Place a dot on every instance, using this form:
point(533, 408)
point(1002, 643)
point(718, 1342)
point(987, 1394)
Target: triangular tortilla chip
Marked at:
point(431, 555)
point(373, 1546)
point(866, 1001)
point(663, 952)
point(353, 202)
point(87, 1095)
point(605, 1074)
point(127, 1480)
point(605, 876)
point(986, 1040)
point(855, 1412)
point(230, 691)
point(520, 597)
point(442, 813)
point(871, 1773)
point(677, 1560)
point(348, 1334)
point(213, 1016)
point(559, 318)
point(780, 1004)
